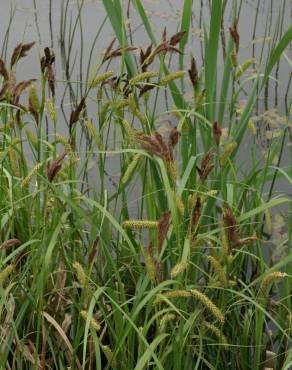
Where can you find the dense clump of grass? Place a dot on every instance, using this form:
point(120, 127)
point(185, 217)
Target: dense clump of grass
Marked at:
point(183, 281)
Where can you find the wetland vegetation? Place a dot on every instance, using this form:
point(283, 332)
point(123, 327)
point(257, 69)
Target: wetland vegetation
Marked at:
point(145, 209)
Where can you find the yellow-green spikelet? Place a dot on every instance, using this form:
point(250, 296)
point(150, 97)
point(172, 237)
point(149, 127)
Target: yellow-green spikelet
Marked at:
point(52, 110)
point(243, 67)
point(218, 269)
point(130, 133)
point(34, 99)
point(217, 332)
point(68, 149)
point(205, 301)
point(178, 269)
point(94, 134)
point(171, 77)
point(131, 168)
point(228, 149)
point(13, 161)
point(5, 273)
point(165, 319)
point(80, 274)
point(271, 278)
point(32, 138)
point(93, 323)
point(26, 181)
point(109, 355)
point(151, 267)
point(100, 78)
point(140, 224)
point(172, 295)
point(143, 76)
point(252, 127)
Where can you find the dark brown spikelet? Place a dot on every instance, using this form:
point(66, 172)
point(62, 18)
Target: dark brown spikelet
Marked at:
point(48, 59)
point(163, 227)
point(113, 82)
point(163, 47)
point(51, 79)
point(164, 34)
point(3, 71)
point(235, 35)
point(174, 49)
point(76, 113)
point(47, 52)
point(108, 49)
point(154, 144)
point(93, 251)
point(145, 54)
point(174, 137)
point(193, 73)
point(8, 244)
point(217, 132)
point(47, 62)
point(196, 214)
point(19, 88)
point(3, 90)
point(118, 52)
point(8, 88)
point(206, 166)
point(54, 167)
point(20, 52)
point(230, 225)
point(144, 58)
point(144, 89)
point(175, 39)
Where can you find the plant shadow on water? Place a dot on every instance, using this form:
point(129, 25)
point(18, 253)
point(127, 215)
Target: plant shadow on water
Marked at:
point(145, 171)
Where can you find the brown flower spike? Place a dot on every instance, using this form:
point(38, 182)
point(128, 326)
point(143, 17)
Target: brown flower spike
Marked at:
point(163, 227)
point(206, 166)
point(55, 167)
point(217, 133)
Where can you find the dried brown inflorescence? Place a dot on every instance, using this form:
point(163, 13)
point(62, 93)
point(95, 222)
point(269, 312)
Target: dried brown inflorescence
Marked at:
point(217, 133)
point(108, 49)
point(193, 73)
point(230, 224)
point(20, 52)
point(3, 70)
point(167, 45)
point(206, 165)
point(47, 62)
point(10, 243)
point(163, 227)
point(196, 214)
point(231, 230)
point(176, 38)
point(145, 88)
point(117, 52)
point(76, 113)
point(54, 167)
point(10, 90)
point(155, 144)
point(144, 55)
point(235, 35)
point(94, 250)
